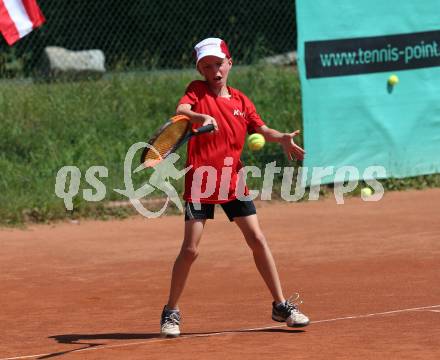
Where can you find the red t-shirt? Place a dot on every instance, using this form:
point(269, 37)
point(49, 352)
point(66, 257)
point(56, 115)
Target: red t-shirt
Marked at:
point(235, 117)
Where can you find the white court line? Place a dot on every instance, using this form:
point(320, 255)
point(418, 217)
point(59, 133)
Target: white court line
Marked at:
point(224, 332)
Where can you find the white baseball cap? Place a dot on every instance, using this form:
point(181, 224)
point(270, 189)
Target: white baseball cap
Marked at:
point(211, 47)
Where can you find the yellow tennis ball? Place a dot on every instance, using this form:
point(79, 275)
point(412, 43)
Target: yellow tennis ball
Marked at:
point(366, 192)
point(256, 142)
point(393, 80)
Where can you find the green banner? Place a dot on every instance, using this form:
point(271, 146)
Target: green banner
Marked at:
point(370, 80)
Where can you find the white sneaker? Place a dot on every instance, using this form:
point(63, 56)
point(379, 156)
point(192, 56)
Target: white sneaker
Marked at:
point(169, 323)
point(289, 312)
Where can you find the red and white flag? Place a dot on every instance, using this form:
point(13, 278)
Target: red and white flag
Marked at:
point(18, 18)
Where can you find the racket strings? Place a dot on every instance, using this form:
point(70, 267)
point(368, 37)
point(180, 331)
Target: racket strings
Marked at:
point(168, 138)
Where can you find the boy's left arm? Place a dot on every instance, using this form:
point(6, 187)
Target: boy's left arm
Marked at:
point(284, 139)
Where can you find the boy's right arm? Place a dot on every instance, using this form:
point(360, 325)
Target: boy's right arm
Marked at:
point(196, 118)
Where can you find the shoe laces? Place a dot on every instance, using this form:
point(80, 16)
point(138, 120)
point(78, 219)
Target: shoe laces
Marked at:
point(172, 319)
point(293, 302)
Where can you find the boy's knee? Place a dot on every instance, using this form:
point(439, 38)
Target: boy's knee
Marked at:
point(256, 241)
point(189, 254)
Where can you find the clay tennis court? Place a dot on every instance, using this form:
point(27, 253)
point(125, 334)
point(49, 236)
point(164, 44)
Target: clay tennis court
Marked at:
point(368, 273)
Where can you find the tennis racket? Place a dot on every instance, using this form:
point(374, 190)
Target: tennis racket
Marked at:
point(172, 135)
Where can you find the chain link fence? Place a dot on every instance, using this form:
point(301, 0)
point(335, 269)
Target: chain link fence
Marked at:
point(154, 34)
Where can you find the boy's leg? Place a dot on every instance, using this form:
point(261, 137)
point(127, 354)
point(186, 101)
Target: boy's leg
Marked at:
point(188, 253)
point(263, 258)
point(282, 310)
point(170, 318)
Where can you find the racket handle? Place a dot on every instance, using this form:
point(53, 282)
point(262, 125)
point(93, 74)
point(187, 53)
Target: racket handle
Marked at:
point(204, 129)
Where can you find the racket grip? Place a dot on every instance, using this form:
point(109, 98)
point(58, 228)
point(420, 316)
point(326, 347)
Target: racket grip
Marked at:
point(204, 129)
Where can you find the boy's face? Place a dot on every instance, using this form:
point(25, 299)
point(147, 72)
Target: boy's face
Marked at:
point(215, 70)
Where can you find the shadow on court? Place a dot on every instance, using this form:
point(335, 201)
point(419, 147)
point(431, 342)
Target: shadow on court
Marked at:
point(79, 339)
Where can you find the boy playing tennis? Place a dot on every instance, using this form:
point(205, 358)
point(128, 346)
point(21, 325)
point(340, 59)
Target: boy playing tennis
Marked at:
point(233, 115)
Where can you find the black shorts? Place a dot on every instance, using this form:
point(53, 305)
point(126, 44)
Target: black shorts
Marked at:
point(234, 208)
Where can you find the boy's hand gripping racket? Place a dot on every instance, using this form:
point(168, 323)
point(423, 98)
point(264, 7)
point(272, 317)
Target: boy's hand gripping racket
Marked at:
point(173, 134)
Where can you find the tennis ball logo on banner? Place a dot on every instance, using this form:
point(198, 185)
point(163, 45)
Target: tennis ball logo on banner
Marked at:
point(393, 80)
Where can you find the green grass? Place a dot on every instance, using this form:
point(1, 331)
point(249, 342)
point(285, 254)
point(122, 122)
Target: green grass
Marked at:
point(46, 126)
